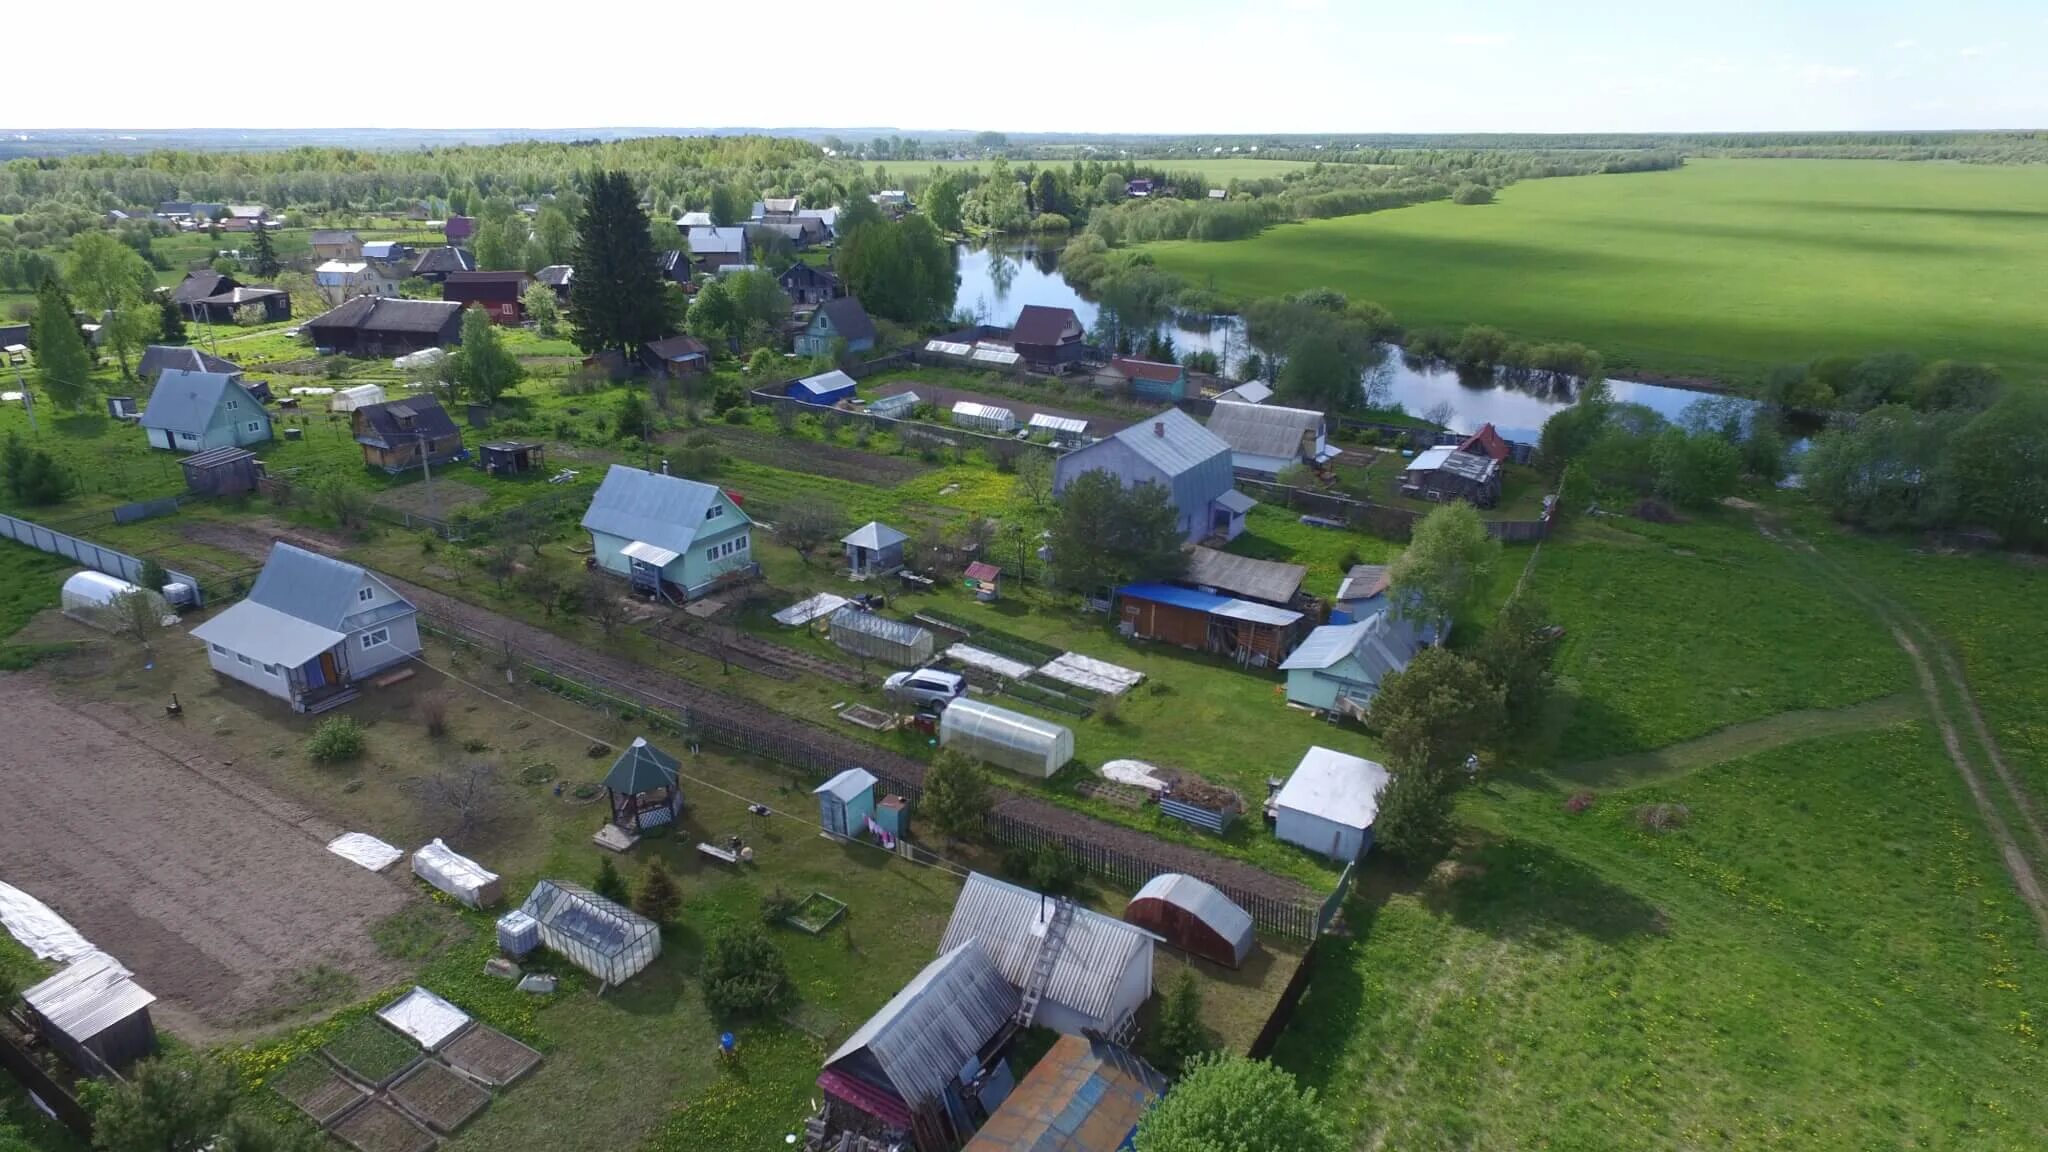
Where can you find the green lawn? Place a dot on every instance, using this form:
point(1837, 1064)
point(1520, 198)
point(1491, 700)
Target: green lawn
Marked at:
point(1674, 631)
point(1720, 269)
point(1219, 169)
point(1826, 956)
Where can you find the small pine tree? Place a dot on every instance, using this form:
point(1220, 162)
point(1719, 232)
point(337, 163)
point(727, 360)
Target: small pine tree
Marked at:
point(61, 356)
point(173, 320)
point(610, 884)
point(955, 795)
point(266, 253)
point(658, 899)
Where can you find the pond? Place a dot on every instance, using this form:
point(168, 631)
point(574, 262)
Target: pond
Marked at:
point(996, 281)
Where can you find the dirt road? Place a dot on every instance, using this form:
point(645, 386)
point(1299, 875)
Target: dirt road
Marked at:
point(220, 896)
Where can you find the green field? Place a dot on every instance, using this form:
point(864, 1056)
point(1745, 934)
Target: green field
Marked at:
point(1720, 269)
point(1221, 169)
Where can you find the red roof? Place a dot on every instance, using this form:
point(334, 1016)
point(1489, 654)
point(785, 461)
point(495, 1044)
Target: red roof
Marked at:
point(877, 1102)
point(1486, 442)
point(1039, 324)
point(1136, 369)
point(983, 570)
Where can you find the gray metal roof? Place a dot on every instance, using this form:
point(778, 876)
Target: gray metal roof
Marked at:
point(1267, 580)
point(667, 511)
point(1249, 392)
point(1264, 429)
point(935, 1026)
point(873, 534)
point(1172, 442)
point(311, 587)
point(1007, 920)
point(267, 635)
point(88, 996)
point(185, 401)
point(158, 357)
point(1382, 643)
point(874, 624)
point(730, 240)
point(1236, 501)
point(825, 382)
point(847, 785)
point(1335, 786)
point(1364, 580)
point(1205, 903)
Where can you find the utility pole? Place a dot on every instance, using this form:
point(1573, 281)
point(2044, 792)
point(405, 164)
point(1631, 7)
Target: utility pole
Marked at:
point(427, 477)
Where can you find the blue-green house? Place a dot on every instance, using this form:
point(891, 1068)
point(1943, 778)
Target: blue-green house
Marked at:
point(841, 318)
point(674, 539)
point(1340, 666)
point(194, 411)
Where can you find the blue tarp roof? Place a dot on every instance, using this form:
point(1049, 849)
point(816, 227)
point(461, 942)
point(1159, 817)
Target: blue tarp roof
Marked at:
point(1175, 595)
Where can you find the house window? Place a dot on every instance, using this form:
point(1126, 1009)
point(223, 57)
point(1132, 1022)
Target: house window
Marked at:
point(218, 650)
point(254, 426)
point(373, 639)
point(741, 544)
point(270, 669)
point(234, 404)
point(366, 594)
point(188, 438)
point(246, 662)
point(711, 553)
point(714, 512)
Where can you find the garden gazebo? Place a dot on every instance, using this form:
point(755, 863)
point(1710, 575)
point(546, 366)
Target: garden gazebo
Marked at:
point(644, 787)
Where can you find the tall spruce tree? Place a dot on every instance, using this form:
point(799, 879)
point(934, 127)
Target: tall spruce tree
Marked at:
point(60, 351)
point(173, 319)
point(266, 253)
point(615, 300)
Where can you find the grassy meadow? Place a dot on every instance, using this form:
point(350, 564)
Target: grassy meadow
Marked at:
point(1719, 269)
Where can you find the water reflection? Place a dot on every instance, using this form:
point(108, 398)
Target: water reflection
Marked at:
point(996, 283)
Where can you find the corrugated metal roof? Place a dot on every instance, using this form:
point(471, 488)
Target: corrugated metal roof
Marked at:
point(88, 996)
point(647, 553)
point(874, 624)
point(1429, 460)
point(935, 1026)
point(663, 510)
point(1362, 581)
point(1009, 921)
point(1267, 580)
point(848, 785)
point(1264, 429)
point(1234, 501)
point(1205, 903)
point(1173, 442)
point(730, 241)
point(1214, 605)
point(873, 534)
point(1340, 788)
point(309, 586)
point(642, 768)
point(263, 633)
point(825, 383)
point(1249, 392)
point(1083, 1096)
point(184, 401)
point(1256, 613)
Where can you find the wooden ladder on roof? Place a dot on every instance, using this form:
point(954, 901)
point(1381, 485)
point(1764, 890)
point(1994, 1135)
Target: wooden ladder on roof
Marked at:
point(1049, 947)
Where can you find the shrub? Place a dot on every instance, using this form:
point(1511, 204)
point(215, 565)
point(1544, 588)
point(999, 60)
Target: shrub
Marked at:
point(1042, 867)
point(434, 714)
point(744, 974)
point(1663, 817)
point(609, 884)
point(337, 739)
point(1578, 802)
point(658, 899)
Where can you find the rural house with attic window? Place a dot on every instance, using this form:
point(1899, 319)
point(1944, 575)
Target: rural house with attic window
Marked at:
point(672, 538)
point(1175, 452)
point(195, 411)
point(397, 433)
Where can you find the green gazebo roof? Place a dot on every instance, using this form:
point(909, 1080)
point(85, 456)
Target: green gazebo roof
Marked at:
point(642, 768)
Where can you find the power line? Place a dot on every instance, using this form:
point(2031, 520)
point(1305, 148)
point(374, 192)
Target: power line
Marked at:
point(937, 863)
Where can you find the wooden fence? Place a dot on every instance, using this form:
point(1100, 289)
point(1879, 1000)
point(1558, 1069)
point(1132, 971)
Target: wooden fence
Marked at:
point(57, 1097)
point(1382, 519)
point(114, 563)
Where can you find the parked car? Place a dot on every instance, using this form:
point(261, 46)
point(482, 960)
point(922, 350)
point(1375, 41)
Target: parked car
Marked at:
point(925, 686)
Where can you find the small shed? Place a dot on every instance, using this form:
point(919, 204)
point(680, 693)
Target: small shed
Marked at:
point(824, 388)
point(896, 407)
point(223, 471)
point(360, 396)
point(984, 417)
point(94, 1014)
point(846, 801)
point(644, 787)
point(1023, 744)
point(1194, 917)
point(873, 549)
point(123, 408)
point(984, 579)
point(877, 637)
point(509, 458)
point(607, 940)
point(1329, 804)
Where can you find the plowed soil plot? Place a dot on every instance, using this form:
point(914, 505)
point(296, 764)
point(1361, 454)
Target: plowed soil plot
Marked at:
point(490, 1055)
point(817, 459)
point(316, 1089)
point(186, 874)
point(439, 1096)
point(378, 1127)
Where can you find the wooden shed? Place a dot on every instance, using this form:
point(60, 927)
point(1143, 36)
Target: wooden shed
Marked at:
point(223, 471)
point(1253, 634)
point(1194, 917)
point(846, 801)
point(509, 458)
point(94, 1014)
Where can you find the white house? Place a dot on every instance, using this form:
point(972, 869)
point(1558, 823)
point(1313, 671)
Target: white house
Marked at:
point(1266, 439)
point(340, 281)
point(310, 628)
point(1100, 970)
point(1329, 804)
point(671, 537)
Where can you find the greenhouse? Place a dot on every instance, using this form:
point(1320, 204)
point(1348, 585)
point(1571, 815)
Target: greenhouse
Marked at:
point(360, 396)
point(602, 938)
point(93, 598)
point(876, 637)
point(984, 417)
point(1023, 744)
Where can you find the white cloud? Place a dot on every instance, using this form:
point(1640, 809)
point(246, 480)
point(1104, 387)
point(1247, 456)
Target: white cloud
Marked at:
point(1906, 45)
point(1829, 73)
point(1477, 40)
point(1975, 51)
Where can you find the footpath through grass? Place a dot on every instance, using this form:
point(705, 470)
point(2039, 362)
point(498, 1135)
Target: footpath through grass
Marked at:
point(1827, 954)
point(1722, 268)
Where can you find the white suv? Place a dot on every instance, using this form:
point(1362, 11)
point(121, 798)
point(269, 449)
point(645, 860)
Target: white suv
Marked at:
point(925, 686)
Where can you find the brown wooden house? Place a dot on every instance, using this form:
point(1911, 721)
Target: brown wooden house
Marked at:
point(1245, 631)
point(395, 434)
point(498, 293)
point(380, 326)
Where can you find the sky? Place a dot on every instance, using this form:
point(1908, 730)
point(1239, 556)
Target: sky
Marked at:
point(1155, 66)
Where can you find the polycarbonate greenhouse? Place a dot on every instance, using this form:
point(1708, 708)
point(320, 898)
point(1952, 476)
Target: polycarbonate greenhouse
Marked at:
point(1023, 744)
point(604, 939)
point(876, 637)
